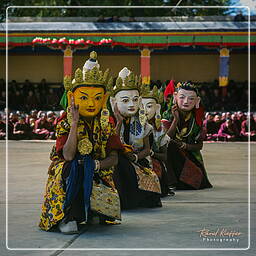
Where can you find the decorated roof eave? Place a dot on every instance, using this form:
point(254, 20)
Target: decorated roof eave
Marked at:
point(169, 34)
point(111, 27)
point(234, 39)
point(134, 42)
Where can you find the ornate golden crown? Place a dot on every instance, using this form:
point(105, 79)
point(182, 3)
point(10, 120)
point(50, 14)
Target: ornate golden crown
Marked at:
point(130, 82)
point(187, 86)
point(154, 93)
point(92, 76)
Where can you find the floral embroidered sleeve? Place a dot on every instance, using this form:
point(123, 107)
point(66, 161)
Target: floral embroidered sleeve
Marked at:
point(62, 131)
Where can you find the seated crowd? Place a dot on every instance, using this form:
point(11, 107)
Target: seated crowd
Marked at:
point(25, 96)
point(36, 125)
point(25, 122)
point(46, 96)
point(218, 126)
point(228, 126)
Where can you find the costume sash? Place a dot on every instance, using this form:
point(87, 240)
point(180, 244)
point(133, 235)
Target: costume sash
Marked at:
point(75, 180)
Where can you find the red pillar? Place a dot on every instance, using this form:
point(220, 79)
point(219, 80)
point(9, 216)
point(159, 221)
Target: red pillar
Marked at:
point(67, 61)
point(145, 65)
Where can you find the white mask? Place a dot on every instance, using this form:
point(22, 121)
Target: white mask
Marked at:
point(128, 102)
point(150, 107)
point(186, 99)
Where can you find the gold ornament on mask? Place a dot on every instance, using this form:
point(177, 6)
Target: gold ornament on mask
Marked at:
point(130, 82)
point(92, 76)
point(154, 94)
point(187, 86)
point(178, 85)
point(67, 83)
point(85, 146)
point(78, 76)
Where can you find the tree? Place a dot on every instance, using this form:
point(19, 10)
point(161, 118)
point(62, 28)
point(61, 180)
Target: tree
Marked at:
point(83, 12)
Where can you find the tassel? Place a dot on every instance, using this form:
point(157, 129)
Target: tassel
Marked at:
point(158, 121)
point(104, 118)
point(142, 117)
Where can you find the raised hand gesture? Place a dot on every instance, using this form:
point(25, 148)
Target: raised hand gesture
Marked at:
point(175, 112)
point(118, 116)
point(74, 110)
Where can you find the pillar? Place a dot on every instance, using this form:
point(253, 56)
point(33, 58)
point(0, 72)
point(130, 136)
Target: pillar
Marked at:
point(224, 70)
point(145, 65)
point(67, 61)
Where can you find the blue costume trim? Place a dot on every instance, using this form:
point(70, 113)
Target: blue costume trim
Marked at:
point(78, 179)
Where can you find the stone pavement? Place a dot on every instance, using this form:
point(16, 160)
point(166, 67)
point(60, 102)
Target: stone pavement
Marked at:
point(175, 226)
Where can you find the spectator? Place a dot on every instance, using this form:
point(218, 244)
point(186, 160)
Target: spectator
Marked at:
point(19, 101)
point(236, 122)
point(215, 99)
point(31, 101)
point(43, 98)
point(245, 128)
point(62, 112)
point(42, 127)
point(211, 127)
point(33, 114)
point(22, 130)
point(228, 115)
point(27, 86)
point(51, 120)
point(32, 122)
point(241, 117)
point(14, 85)
point(243, 102)
point(205, 99)
point(218, 121)
point(2, 128)
point(236, 99)
point(228, 132)
point(223, 117)
point(43, 83)
point(11, 98)
point(52, 100)
point(13, 118)
point(2, 100)
point(38, 97)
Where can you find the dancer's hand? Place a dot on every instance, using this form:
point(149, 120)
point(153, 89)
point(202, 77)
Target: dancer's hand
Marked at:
point(130, 156)
point(74, 110)
point(118, 116)
point(178, 143)
point(175, 112)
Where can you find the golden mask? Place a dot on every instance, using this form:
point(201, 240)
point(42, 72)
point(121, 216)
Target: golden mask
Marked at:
point(90, 100)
